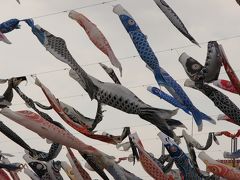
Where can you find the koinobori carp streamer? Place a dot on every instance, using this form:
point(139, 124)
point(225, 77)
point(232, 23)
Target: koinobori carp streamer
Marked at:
point(96, 36)
point(211, 69)
point(175, 20)
point(220, 100)
point(182, 161)
point(161, 76)
point(149, 165)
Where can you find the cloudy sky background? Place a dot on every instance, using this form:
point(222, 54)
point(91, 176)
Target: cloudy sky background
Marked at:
point(205, 20)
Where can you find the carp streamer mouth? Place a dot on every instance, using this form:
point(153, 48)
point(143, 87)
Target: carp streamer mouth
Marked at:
point(119, 10)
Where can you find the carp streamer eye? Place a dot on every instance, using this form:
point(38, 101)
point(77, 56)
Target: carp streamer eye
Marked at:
point(173, 149)
point(156, 90)
point(131, 22)
point(39, 166)
point(196, 66)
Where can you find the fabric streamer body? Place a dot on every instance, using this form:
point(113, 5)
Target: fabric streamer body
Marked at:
point(207, 73)
point(39, 167)
point(54, 168)
point(162, 95)
point(192, 143)
point(45, 170)
point(4, 38)
point(226, 85)
point(127, 174)
point(31, 174)
point(52, 153)
point(226, 118)
point(196, 144)
point(58, 107)
point(76, 173)
point(175, 20)
point(149, 165)
point(13, 174)
point(228, 134)
point(4, 175)
point(219, 169)
point(70, 111)
point(197, 115)
point(176, 174)
point(219, 99)
point(55, 147)
point(96, 36)
point(192, 154)
point(68, 170)
point(12, 166)
point(143, 48)
point(140, 42)
point(7, 96)
point(39, 125)
point(119, 97)
point(15, 138)
point(122, 98)
point(111, 73)
point(161, 76)
point(57, 47)
point(7, 27)
point(229, 70)
point(182, 161)
point(192, 67)
point(76, 164)
point(42, 127)
point(77, 117)
point(213, 62)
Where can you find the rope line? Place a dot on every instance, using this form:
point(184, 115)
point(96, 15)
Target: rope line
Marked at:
point(67, 10)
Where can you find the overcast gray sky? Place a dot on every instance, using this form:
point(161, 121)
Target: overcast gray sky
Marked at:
point(205, 20)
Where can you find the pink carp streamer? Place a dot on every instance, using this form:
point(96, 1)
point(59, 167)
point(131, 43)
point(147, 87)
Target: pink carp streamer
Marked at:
point(4, 175)
point(45, 129)
point(76, 173)
point(77, 168)
point(97, 37)
point(229, 70)
point(56, 106)
point(218, 168)
point(225, 85)
point(149, 165)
